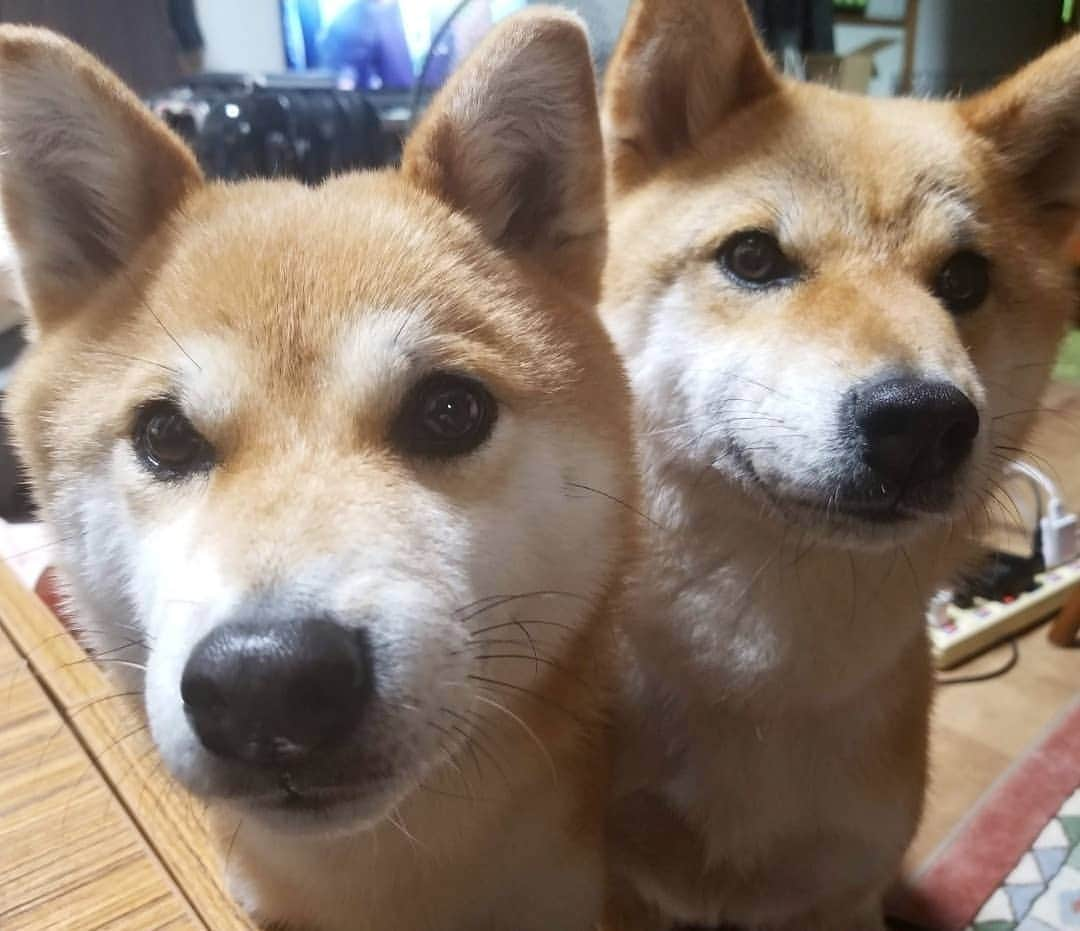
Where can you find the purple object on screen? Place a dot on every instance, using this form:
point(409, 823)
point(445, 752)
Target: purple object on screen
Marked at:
point(367, 39)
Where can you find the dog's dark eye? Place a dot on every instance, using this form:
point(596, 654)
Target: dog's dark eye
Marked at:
point(754, 258)
point(964, 281)
point(444, 415)
point(166, 442)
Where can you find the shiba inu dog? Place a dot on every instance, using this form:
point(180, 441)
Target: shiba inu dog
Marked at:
point(334, 469)
point(837, 315)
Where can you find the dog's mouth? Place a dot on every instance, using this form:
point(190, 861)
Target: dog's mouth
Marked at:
point(855, 503)
point(886, 510)
point(329, 790)
point(295, 805)
point(293, 798)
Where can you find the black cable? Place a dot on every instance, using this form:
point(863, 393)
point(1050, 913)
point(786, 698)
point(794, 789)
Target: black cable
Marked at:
point(1037, 543)
point(899, 924)
point(429, 55)
point(1014, 658)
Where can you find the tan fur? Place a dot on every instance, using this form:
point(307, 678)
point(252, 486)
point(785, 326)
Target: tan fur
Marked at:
point(243, 300)
point(777, 682)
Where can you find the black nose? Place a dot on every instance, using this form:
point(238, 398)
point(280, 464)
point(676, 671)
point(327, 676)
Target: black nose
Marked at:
point(914, 430)
point(266, 694)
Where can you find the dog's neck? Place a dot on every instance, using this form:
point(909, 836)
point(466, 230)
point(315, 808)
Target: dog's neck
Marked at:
point(771, 612)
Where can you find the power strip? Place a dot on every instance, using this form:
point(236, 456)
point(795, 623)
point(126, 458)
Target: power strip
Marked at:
point(957, 634)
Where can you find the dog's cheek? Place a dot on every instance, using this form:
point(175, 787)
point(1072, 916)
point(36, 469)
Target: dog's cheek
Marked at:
point(420, 652)
point(554, 528)
point(95, 560)
point(182, 596)
point(180, 593)
point(168, 726)
point(667, 368)
point(796, 430)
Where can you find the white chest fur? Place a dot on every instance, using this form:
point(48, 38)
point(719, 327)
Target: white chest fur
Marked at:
point(774, 677)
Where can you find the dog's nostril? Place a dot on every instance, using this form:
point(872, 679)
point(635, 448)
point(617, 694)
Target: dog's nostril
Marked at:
point(200, 692)
point(258, 692)
point(956, 442)
point(914, 430)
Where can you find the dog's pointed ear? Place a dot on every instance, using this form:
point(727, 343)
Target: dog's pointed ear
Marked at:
point(87, 172)
point(513, 141)
point(681, 68)
point(1033, 121)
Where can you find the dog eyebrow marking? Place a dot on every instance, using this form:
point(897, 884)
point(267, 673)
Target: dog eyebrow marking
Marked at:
point(931, 189)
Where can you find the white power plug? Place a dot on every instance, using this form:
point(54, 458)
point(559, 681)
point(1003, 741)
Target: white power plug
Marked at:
point(1059, 535)
point(1058, 527)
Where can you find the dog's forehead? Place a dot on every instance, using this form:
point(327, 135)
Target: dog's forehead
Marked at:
point(257, 255)
point(814, 159)
point(892, 157)
point(283, 294)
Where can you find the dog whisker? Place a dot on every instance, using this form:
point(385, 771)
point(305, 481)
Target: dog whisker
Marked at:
point(66, 538)
point(489, 683)
point(482, 725)
point(141, 667)
point(129, 358)
point(528, 730)
point(145, 305)
point(232, 843)
point(615, 500)
point(531, 658)
point(497, 601)
point(394, 817)
point(518, 621)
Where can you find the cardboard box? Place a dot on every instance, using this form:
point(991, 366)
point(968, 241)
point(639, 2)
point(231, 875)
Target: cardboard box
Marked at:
point(852, 72)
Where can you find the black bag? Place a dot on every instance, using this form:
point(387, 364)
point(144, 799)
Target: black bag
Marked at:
point(242, 126)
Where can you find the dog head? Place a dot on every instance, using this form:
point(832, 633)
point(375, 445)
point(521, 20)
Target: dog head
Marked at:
point(314, 457)
point(847, 307)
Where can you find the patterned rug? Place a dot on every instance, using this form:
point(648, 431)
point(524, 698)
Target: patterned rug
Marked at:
point(1042, 893)
point(1014, 864)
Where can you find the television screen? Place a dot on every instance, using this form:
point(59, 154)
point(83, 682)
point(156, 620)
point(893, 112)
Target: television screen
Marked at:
point(386, 44)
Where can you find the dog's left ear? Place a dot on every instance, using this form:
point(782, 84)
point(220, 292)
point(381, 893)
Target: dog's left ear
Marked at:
point(1033, 120)
point(513, 141)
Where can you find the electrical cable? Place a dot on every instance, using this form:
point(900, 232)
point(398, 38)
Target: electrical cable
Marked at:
point(429, 55)
point(1035, 476)
point(899, 924)
point(1056, 525)
point(1037, 489)
point(1014, 658)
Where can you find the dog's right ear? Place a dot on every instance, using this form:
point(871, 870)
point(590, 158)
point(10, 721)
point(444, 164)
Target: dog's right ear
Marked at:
point(87, 172)
point(513, 142)
point(681, 68)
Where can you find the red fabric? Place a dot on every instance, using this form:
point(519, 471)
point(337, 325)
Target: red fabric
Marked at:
point(48, 591)
point(1002, 828)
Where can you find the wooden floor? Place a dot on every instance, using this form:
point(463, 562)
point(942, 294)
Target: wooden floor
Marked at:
point(979, 730)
